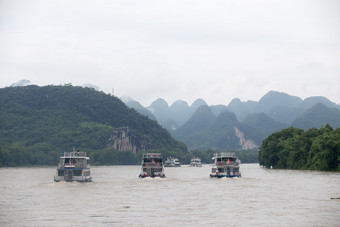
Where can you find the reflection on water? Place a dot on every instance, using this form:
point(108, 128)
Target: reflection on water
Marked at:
point(186, 197)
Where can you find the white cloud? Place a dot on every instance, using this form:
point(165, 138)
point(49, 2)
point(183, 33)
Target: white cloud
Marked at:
point(215, 50)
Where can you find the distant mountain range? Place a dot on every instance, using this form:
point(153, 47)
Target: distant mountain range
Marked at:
point(240, 125)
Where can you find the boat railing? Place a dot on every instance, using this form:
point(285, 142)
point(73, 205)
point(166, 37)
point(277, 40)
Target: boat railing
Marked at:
point(229, 163)
point(72, 165)
point(75, 154)
point(152, 155)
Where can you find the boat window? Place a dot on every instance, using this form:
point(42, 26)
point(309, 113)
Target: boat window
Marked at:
point(60, 172)
point(77, 172)
point(158, 160)
point(219, 159)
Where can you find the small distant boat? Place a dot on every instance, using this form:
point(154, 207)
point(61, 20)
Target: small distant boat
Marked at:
point(152, 165)
point(225, 165)
point(195, 162)
point(73, 166)
point(172, 162)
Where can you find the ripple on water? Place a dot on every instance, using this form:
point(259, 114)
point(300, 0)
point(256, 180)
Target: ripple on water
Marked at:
point(187, 196)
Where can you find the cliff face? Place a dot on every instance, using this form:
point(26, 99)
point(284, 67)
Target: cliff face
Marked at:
point(122, 139)
point(244, 143)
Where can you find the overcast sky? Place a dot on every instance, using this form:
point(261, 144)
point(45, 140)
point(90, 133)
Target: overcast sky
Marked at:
point(176, 49)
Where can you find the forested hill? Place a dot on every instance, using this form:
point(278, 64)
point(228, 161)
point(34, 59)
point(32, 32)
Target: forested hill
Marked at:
point(39, 123)
point(292, 148)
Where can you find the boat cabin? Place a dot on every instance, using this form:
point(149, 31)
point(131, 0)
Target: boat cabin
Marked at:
point(152, 165)
point(225, 165)
point(73, 166)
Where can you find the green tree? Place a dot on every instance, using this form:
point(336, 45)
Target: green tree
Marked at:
point(315, 149)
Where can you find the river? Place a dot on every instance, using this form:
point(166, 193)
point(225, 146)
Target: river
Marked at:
point(186, 197)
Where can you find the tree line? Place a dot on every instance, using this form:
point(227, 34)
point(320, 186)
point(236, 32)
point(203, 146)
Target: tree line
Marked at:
point(293, 148)
point(15, 154)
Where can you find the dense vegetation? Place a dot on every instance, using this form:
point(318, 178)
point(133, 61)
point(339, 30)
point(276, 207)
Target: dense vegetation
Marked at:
point(15, 154)
point(292, 148)
point(38, 124)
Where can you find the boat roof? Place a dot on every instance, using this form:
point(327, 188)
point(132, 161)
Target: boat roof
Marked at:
point(75, 154)
point(152, 155)
point(224, 155)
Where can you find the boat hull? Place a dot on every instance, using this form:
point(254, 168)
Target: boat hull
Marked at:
point(77, 179)
point(70, 175)
point(223, 175)
point(195, 165)
point(145, 176)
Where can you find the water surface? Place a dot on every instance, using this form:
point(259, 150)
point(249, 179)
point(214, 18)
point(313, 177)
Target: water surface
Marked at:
point(186, 197)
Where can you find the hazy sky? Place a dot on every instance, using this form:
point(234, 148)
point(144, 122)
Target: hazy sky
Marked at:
point(176, 49)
